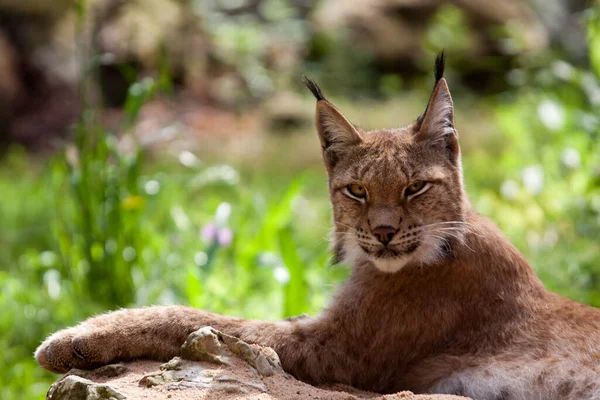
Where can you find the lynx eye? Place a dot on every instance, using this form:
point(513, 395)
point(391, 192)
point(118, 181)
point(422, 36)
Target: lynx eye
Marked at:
point(415, 188)
point(357, 191)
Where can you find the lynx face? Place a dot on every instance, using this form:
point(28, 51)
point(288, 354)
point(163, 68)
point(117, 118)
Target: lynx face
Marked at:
point(397, 194)
point(395, 201)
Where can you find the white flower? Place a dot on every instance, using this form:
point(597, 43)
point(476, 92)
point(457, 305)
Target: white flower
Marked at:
point(563, 70)
point(216, 174)
point(188, 159)
point(533, 179)
point(129, 253)
point(268, 259)
point(180, 217)
point(200, 258)
point(48, 258)
point(52, 280)
point(571, 158)
point(281, 274)
point(509, 189)
point(222, 214)
point(551, 114)
point(152, 187)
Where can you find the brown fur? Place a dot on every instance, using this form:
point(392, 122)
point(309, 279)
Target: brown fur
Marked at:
point(448, 306)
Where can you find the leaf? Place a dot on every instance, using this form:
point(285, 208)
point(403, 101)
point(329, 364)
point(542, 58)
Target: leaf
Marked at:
point(295, 291)
point(593, 33)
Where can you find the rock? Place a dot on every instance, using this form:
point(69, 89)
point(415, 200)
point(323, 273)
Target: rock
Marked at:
point(204, 345)
point(211, 346)
point(263, 359)
point(73, 387)
point(208, 344)
point(213, 365)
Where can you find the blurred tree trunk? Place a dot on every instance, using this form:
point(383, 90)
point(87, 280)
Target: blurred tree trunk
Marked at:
point(36, 104)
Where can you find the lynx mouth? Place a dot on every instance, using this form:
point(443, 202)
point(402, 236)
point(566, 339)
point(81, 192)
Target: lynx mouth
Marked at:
point(388, 252)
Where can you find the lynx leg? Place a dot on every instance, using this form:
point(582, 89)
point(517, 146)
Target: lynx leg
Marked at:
point(306, 351)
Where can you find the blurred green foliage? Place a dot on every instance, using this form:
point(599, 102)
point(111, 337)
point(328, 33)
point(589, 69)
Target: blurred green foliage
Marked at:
point(543, 187)
point(102, 225)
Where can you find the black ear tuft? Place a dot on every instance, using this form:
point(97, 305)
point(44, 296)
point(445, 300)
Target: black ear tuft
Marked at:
point(313, 87)
point(438, 70)
point(439, 66)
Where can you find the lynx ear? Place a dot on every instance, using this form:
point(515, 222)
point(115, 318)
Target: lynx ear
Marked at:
point(336, 133)
point(436, 124)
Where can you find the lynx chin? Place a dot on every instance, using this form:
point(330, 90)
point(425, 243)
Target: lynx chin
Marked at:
point(438, 300)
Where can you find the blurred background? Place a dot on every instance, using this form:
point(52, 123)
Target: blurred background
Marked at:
point(163, 151)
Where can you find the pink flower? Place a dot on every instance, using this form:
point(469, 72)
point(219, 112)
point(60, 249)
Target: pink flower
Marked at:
point(209, 232)
point(212, 234)
point(224, 237)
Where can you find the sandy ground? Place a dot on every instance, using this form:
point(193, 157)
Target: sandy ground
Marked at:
point(278, 386)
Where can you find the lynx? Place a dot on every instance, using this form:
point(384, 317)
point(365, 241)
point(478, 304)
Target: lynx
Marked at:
point(438, 300)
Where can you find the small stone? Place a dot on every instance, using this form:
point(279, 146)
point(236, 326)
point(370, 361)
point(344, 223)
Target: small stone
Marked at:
point(266, 362)
point(174, 364)
point(204, 345)
point(73, 387)
point(104, 392)
point(152, 380)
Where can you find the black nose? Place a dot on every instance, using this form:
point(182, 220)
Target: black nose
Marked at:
point(384, 234)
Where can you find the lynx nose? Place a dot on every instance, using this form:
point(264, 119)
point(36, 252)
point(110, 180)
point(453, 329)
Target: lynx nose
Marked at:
point(384, 234)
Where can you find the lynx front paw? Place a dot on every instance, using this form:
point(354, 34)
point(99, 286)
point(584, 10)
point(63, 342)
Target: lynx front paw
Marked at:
point(73, 348)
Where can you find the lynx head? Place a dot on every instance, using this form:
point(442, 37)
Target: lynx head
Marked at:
point(397, 194)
